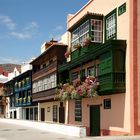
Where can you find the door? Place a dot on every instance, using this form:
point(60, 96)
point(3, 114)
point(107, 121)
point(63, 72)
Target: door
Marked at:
point(42, 114)
point(61, 113)
point(27, 113)
point(95, 120)
point(15, 114)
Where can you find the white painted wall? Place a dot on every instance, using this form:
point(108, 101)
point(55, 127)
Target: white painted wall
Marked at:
point(13, 74)
point(25, 67)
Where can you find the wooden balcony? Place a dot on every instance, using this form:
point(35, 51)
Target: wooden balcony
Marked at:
point(111, 56)
point(43, 95)
point(22, 87)
point(8, 92)
point(45, 71)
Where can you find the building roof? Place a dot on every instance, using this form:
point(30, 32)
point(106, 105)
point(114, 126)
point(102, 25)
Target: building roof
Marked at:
point(3, 78)
point(86, 15)
point(10, 67)
point(54, 44)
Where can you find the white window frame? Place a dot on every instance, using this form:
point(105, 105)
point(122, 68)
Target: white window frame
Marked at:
point(111, 26)
point(97, 31)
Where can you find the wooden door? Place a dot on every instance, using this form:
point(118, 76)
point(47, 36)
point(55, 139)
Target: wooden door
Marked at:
point(95, 120)
point(42, 114)
point(61, 115)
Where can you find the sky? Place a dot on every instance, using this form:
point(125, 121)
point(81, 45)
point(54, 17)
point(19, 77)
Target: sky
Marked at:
point(26, 24)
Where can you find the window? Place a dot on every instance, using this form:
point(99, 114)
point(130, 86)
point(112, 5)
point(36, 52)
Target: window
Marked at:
point(90, 28)
point(107, 103)
point(96, 30)
point(45, 84)
point(91, 71)
point(55, 113)
point(80, 34)
point(111, 25)
point(83, 32)
point(74, 76)
point(122, 9)
point(78, 110)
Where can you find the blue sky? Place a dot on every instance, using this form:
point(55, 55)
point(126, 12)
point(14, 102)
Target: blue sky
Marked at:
point(26, 24)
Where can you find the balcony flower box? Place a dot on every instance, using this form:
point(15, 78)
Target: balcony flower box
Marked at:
point(78, 89)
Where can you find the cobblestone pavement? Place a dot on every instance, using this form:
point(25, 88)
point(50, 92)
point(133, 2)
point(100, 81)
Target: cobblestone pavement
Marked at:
point(18, 132)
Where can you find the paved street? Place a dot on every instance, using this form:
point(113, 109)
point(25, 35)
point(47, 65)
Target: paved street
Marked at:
point(17, 132)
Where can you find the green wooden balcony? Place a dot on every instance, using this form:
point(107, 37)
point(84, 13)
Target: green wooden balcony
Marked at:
point(79, 52)
point(113, 82)
point(111, 56)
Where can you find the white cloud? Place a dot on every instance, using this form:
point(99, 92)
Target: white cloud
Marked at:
point(7, 22)
point(27, 33)
point(21, 35)
point(9, 60)
point(31, 26)
point(58, 28)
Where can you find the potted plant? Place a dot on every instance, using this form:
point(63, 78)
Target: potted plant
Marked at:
point(67, 54)
point(87, 41)
point(77, 46)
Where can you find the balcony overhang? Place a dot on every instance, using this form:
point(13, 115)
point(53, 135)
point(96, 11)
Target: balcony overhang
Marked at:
point(93, 52)
point(87, 16)
point(43, 96)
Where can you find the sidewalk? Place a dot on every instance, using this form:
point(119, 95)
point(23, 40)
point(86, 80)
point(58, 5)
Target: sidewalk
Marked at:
point(71, 132)
point(77, 131)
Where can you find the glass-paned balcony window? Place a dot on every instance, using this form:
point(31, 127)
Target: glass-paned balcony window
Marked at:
point(45, 84)
point(91, 28)
point(96, 30)
point(83, 32)
point(111, 26)
point(80, 34)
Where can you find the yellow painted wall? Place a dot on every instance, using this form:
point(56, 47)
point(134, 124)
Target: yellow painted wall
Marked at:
point(49, 115)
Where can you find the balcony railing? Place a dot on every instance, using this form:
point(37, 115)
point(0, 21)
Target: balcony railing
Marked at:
point(8, 92)
point(44, 95)
point(113, 82)
point(23, 87)
point(47, 70)
point(23, 101)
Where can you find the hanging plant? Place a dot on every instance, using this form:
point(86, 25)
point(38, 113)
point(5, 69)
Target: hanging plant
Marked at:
point(78, 89)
